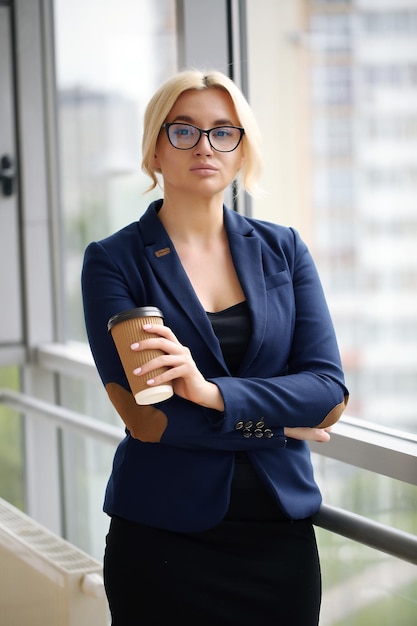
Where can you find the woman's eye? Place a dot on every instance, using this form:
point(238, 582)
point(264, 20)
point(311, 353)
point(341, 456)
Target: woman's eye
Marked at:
point(221, 133)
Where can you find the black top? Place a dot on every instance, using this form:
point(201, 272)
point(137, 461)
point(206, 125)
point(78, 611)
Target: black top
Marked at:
point(249, 498)
point(233, 329)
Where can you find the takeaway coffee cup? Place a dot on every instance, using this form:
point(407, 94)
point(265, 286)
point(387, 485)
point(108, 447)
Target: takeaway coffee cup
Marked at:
point(126, 328)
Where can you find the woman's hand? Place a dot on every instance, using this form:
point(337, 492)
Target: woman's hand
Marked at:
point(320, 435)
point(182, 372)
point(189, 383)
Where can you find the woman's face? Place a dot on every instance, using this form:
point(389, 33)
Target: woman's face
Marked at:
point(200, 170)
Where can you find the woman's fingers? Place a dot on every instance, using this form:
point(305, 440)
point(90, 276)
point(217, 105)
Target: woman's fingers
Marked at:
point(174, 356)
point(321, 435)
point(165, 341)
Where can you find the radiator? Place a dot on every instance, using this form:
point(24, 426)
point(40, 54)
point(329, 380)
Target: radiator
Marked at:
point(44, 580)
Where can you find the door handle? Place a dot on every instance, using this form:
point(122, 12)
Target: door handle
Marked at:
point(7, 175)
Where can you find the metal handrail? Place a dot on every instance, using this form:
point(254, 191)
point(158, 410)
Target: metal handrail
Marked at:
point(372, 447)
point(384, 538)
point(62, 417)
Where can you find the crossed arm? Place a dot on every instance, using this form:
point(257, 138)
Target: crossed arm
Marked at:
point(147, 423)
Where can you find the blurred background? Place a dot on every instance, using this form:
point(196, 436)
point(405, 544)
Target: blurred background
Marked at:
point(333, 84)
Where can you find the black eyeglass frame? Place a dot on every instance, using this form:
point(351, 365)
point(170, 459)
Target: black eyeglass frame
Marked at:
point(201, 131)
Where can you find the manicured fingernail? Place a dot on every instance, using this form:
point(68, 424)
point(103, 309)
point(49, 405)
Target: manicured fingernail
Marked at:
point(150, 381)
point(137, 370)
point(134, 346)
point(147, 326)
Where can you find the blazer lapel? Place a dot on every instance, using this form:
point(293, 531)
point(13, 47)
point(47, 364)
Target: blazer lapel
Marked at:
point(246, 253)
point(164, 260)
point(247, 256)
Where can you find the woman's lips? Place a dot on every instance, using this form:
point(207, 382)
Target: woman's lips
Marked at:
point(204, 168)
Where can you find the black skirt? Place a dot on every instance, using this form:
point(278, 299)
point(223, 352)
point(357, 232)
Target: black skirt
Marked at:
point(256, 568)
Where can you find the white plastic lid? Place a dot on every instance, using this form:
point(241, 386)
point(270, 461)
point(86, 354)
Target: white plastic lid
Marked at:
point(154, 394)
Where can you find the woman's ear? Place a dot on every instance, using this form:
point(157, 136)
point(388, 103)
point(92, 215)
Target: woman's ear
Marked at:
point(155, 163)
point(242, 162)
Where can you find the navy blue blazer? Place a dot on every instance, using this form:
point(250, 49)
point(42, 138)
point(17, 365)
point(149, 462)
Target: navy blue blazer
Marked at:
point(291, 374)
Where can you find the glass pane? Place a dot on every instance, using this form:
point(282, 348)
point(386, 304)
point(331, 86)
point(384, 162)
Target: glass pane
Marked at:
point(362, 587)
point(383, 499)
point(11, 444)
point(86, 466)
point(339, 127)
point(364, 173)
point(340, 141)
point(110, 57)
point(381, 589)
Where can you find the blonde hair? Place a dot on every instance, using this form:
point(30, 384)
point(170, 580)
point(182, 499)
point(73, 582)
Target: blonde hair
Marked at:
point(164, 99)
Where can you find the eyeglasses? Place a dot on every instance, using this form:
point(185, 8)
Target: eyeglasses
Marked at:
point(187, 136)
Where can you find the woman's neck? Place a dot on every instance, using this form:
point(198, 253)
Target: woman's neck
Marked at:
point(189, 220)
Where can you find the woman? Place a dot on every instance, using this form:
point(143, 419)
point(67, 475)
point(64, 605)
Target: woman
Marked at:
point(212, 491)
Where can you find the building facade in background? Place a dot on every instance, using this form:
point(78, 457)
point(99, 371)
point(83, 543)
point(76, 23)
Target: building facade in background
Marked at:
point(363, 78)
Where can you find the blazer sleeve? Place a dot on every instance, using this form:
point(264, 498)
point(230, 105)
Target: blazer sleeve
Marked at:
point(105, 292)
point(105, 282)
point(311, 392)
point(308, 390)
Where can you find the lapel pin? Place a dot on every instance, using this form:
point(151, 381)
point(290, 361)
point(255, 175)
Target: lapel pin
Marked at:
point(162, 252)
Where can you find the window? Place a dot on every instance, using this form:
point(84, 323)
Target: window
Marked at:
point(123, 51)
point(11, 444)
point(381, 589)
point(110, 57)
point(341, 165)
